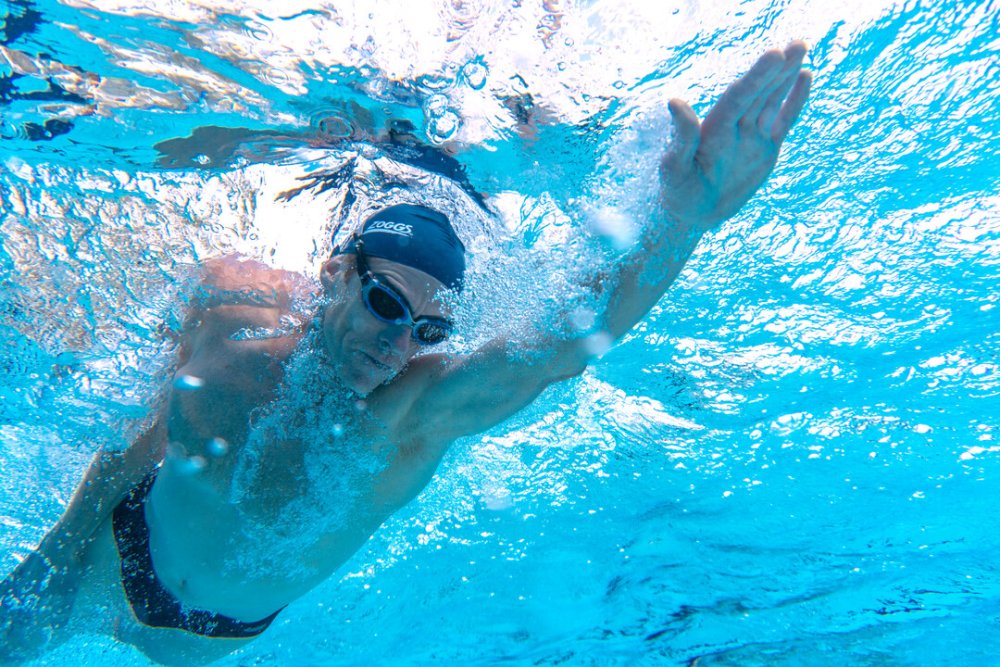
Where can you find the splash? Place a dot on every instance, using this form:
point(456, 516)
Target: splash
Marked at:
point(313, 426)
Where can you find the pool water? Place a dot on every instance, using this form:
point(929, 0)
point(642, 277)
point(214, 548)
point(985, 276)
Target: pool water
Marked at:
point(791, 461)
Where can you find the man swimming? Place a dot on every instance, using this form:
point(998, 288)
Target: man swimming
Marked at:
point(182, 544)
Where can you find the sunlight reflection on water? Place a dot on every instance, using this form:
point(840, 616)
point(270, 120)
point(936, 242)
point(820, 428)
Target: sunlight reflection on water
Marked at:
point(794, 450)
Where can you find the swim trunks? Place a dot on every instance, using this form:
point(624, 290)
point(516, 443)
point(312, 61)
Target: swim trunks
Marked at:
point(152, 604)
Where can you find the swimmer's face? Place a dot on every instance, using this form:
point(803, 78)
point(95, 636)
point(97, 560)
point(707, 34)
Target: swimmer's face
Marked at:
point(365, 350)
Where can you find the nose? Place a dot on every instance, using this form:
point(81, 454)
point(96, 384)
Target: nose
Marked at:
point(394, 339)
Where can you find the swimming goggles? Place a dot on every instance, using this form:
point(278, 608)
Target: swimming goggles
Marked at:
point(388, 305)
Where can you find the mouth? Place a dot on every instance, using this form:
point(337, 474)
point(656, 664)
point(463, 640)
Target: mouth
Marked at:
point(386, 368)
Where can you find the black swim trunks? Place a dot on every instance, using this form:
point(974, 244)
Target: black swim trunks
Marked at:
point(152, 604)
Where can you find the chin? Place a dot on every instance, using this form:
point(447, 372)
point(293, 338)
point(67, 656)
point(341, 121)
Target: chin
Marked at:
point(362, 382)
point(359, 383)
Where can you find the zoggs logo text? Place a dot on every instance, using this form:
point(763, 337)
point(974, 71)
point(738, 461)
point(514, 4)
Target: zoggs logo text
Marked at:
point(390, 227)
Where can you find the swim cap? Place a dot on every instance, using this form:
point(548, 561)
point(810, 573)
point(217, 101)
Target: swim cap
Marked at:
point(418, 237)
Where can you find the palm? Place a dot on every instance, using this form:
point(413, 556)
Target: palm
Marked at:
point(713, 168)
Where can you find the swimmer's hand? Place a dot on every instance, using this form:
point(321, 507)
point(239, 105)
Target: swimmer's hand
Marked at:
point(713, 168)
point(35, 602)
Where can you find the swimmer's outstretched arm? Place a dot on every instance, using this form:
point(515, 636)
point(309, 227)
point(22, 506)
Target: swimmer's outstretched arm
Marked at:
point(707, 174)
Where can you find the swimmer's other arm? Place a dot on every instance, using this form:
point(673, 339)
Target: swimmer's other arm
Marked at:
point(110, 476)
point(37, 597)
point(707, 174)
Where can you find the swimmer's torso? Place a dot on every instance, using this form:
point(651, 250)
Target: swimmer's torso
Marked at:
point(268, 484)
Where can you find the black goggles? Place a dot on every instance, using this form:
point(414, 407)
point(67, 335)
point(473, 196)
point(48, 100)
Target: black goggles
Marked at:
point(388, 305)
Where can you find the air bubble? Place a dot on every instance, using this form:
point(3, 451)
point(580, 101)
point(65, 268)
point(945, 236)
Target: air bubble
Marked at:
point(276, 77)
point(188, 383)
point(598, 344)
point(334, 126)
point(258, 31)
point(583, 319)
point(433, 82)
point(202, 159)
point(9, 130)
point(443, 127)
point(436, 105)
point(193, 465)
point(475, 75)
point(218, 447)
point(613, 225)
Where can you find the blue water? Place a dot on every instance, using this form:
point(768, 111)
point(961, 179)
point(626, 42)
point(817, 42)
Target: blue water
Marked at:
point(791, 461)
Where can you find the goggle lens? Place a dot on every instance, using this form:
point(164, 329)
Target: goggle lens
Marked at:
point(384, 305)
point(429, 333)
point(388, 306)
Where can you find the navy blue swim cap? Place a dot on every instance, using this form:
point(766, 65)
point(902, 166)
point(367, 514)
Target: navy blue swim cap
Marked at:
point(418, 237)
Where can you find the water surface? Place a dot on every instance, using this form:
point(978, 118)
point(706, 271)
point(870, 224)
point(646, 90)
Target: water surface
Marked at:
point(791, 461)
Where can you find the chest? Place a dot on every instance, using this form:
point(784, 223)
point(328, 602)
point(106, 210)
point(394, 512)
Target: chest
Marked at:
point(292, 436)
point(221, 381)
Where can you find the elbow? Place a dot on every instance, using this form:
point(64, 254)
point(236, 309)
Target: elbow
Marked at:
point(572, 359)
point(568, 372)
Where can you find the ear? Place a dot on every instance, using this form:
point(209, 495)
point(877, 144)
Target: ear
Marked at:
point(336, 272)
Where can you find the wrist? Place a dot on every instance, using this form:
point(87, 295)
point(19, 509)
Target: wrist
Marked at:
point(682, 215)
point(61, 547)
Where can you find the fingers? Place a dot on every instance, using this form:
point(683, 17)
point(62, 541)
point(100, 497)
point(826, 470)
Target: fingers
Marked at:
point(796, 52)
point(755, 100)
point(792, 106)
point(748, 89)
point(764, 111)
point(766, 100)
point(768, 111)
point(687, 131)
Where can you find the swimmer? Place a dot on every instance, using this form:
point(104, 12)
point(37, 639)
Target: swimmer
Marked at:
point(180, 548)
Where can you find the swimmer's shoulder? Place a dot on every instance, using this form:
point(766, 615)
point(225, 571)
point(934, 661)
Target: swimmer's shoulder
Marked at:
point(241, 306)
point(235, 280)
